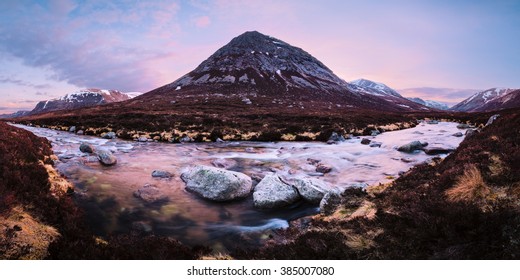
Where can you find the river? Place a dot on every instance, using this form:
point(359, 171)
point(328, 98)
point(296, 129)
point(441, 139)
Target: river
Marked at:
point(106, 193)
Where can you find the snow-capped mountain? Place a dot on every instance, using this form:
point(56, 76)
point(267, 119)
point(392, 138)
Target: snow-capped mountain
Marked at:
point(263, 71)
point(375, 88)
point(489, 100)
point(430, 103)
point(80, 99)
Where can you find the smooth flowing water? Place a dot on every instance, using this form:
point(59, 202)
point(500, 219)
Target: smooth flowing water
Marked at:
point(106, 193)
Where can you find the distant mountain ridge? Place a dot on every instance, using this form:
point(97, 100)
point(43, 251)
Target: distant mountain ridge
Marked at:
point(490, 100)
point(15, 115)
point(430, 103)
point(80, 99)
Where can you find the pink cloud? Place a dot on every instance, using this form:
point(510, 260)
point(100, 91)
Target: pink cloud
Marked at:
point(202, 21)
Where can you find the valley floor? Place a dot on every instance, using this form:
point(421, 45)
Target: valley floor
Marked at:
point(463, 207)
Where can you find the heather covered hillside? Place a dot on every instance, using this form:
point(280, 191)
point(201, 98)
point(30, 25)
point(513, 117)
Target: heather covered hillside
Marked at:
point(39, 219)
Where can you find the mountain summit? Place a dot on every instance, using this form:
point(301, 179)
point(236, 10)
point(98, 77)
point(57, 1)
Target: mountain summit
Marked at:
point(263, 71)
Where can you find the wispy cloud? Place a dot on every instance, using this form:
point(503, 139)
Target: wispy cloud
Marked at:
point(23, 83)
point(99, 44)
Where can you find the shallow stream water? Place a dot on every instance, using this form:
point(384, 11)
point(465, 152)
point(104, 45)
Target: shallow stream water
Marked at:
point(106, 193)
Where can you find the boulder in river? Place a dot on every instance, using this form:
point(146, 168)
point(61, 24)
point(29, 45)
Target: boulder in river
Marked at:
point(310, 189)
point(365, 141)
point(217, 184)
point(271, 193)
point(458, 134)
point(72, 129)
point(142, 139)
point(432, 122)
point(161, 174)
point(86, 148)
point(106, 157)
point(80, 132)
point(150, 193)
point(411, 147)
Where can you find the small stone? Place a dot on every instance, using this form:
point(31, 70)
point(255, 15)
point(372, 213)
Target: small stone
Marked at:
point(433, 150)
point(313, 161)
point(365, 141)
point(408, 160)
point(161, 174)
point(463, 126)
point(375, 144)
point(86, 148)
point(458, 134)
point(150, 193)
point(186, 139)
point(80, 132)
point(335, 137)
point(142, 139)
point(109, 135)
point(72, 129)
point(322, 168)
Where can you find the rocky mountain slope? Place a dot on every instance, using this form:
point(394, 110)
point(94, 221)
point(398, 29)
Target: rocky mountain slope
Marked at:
point(490, 100)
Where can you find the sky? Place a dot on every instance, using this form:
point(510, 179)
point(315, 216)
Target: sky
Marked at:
point(450, 48)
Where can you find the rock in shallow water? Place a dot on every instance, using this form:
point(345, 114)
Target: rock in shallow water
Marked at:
point(322, 168)
point(86, 148)
point(106, 157)
point(150, 194)
point(365, 141)
point(271, 193)
point(310, 189)
point(411, 147)
point(109, 135)
point(217, 184)
point(161, 174)
point(458, 134)
point(436, 150)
